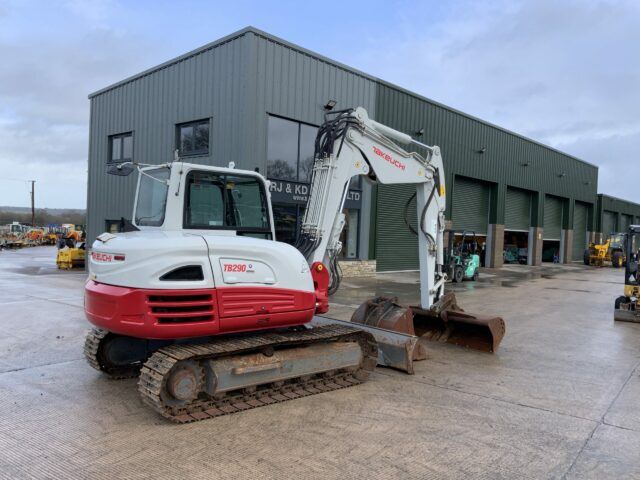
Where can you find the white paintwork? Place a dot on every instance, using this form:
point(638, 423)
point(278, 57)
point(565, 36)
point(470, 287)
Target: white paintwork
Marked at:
point(152, 252)
point(148, 256)
point(175, 196)
point(274, 264)
point(391, 165)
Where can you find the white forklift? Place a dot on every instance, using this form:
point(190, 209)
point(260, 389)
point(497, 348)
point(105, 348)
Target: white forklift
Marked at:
point(216, 316)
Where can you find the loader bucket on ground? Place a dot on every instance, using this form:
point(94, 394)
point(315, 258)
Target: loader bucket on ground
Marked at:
point(445, 321)
point(626, 314)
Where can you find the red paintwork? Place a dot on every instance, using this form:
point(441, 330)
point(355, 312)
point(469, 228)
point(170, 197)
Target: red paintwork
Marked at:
point(142, 313)
point(320, 276)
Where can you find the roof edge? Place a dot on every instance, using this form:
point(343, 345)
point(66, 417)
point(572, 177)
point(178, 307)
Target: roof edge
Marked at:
point(480, 120)
point(286, 43)
point(192, 53)
point(619, 199)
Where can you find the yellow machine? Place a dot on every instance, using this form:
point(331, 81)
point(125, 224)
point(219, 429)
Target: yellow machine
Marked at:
point(35, 236)
point(71, 248)
point(50, 238)
point(626, 306)
point(610, 251)
point(71, 257)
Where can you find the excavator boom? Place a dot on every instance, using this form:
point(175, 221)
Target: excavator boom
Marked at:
point(349, 143)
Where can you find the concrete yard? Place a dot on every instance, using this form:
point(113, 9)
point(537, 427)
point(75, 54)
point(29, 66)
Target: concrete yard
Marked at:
point(560, 399)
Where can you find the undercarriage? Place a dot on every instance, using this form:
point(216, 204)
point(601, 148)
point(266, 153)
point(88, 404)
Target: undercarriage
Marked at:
point(194, 381)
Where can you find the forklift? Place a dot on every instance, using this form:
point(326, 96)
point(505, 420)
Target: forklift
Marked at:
point(626, 306)
point(462, 259)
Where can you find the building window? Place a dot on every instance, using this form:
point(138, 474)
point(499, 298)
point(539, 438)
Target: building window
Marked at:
point(193, 138)
point(290, 148)
point(121, 147)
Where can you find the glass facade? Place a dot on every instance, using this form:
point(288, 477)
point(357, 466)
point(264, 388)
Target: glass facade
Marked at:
point(290, 149)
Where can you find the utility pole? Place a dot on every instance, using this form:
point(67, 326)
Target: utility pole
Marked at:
point(33, 203)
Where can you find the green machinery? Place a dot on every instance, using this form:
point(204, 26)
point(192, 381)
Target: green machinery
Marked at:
point(626, 306)
point(462, 258)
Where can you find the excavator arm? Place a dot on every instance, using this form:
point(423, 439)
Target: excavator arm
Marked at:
point(351, 144)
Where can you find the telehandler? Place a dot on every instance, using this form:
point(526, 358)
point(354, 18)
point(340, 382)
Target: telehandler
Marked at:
point(610, 251)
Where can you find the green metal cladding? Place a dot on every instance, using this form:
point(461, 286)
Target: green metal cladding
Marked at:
point(615, 214)
point(502, 163)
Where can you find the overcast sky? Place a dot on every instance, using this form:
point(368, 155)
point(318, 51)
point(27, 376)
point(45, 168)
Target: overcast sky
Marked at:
point(565, 73)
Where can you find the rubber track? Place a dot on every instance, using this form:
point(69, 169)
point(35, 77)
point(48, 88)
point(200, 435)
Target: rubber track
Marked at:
point(155, 371)
point(91, 347)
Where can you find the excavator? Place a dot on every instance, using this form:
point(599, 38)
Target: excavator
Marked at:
point(198, 299)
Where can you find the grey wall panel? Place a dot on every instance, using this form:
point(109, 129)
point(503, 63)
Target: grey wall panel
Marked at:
point(210, 84)
point(285, 81)
point(236, 84)
point(295, 85)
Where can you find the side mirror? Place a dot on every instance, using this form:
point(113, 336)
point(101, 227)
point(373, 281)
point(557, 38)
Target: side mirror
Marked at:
point(121, 169)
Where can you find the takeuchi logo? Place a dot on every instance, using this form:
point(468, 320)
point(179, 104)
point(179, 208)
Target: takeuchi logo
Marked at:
point(389, 158)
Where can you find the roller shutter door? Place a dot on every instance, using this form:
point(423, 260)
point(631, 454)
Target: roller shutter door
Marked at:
point(552, 228)
point(580, 215)
point(626, 221)
point(396, 245)
point(517, 211)
point(609, 223)
point(470, 205)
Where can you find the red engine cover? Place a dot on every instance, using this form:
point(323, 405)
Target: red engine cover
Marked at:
point(170, 314)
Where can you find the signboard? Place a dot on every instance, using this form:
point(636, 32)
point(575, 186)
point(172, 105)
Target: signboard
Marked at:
point(283, 191)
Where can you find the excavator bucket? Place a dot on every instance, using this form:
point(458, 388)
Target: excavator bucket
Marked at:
point(395, 349)
point(445, 321)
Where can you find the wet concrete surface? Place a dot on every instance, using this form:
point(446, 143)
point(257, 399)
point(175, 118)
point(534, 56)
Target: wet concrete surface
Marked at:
point(558, 400)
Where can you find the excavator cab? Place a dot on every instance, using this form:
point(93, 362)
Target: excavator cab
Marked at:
point(626, 306)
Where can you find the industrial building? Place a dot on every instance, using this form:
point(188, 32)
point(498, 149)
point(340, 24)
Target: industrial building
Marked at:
point(256, 100)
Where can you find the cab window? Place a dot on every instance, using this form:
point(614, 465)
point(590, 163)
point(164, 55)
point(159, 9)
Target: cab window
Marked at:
point(226, 202)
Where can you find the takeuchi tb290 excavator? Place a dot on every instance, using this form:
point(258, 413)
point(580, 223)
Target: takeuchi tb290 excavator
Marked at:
point(216, 316)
